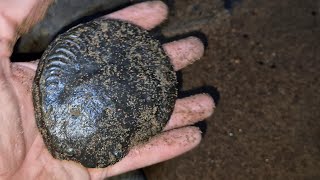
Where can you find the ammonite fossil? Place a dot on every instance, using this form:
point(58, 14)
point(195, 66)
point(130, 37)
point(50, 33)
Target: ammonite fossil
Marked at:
point(100, 88)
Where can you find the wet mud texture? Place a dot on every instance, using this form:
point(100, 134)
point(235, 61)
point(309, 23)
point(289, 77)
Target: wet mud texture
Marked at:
point(101, 88)
point(264, 59)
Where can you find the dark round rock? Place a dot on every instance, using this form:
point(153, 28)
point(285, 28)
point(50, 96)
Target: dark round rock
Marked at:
point(101, 88)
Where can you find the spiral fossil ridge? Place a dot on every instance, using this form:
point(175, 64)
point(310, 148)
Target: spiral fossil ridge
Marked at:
point(101, 88)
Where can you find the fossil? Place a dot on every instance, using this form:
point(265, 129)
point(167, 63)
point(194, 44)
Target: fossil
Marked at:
point(101, 88)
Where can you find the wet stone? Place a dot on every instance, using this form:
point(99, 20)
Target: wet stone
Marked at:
point(101, 88)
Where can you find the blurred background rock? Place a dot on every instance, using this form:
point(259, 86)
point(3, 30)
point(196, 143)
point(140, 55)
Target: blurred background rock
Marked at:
point(62, 15)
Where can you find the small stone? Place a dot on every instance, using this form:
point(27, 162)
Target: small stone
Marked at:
point(236, 60)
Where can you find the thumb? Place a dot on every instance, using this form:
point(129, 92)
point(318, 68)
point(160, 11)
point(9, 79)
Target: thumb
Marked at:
point(22, 80)
point(16, 18)
point(11, 131)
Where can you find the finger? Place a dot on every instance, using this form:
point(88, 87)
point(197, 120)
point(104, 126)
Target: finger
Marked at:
point(12, 148)
point(184, 52)
point(160, 148)
point(190, 110)
point(146, 14)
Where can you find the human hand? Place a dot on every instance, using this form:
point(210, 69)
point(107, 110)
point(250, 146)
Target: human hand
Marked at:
point(23, 154)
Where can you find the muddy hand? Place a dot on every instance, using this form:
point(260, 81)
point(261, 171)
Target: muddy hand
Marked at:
point(22, 151)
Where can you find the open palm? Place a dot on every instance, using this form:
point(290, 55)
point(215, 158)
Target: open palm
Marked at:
point(23, 154)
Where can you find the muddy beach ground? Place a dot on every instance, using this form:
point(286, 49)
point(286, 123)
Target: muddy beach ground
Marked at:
point(263, 57)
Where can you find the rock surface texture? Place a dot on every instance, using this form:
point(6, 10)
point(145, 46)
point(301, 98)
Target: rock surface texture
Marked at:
point(101, 88)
